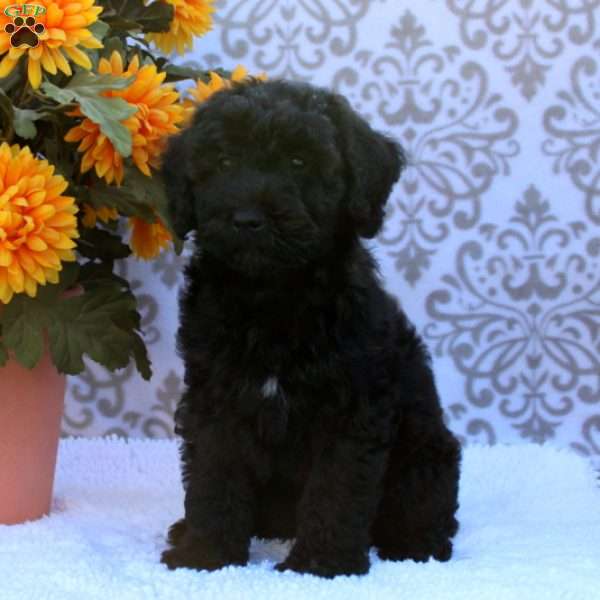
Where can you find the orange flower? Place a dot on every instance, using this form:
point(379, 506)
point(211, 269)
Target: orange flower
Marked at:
point(37, 223)
point(104, 213)
point(202, 91)
point(61, 27)
point(190, 18)
point(158, 114)
point(148, 239)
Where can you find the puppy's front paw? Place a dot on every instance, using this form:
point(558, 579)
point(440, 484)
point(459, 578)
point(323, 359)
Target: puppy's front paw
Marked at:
point(193, 553)
point(177, 558)
point(177, 532)
point(325, 567)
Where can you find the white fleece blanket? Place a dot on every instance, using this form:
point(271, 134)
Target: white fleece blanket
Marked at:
point(530, 530)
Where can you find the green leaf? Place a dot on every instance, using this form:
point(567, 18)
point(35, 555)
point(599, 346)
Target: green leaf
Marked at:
point(140, 355)
point(162, 208)
point(148, 190)
point(24, 122)
point(101, 323)
point(85, 89)
point(96, 276)
point(99, 29)
point(3, 355)
point(118, 23)
point(6, 107)
point(24, 320)
point(181, 72)
point(138, 196)
point(58, 154)
point(107, 112)
point(6, 117)
point(84, 325)
point(132, 15)
point(23, 323)
point(98, 243)
point(151, 191)
point(111, 44)
point(124, 199)
point(155, 18)
point(68, 279)
point(12, 80)
point(85, 82)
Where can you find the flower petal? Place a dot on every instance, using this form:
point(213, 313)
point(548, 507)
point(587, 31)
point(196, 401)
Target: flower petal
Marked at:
point(34, 73)
point(7, 65)
point(78, 57)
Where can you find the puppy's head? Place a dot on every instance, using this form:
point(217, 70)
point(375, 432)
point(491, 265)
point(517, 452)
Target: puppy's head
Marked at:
point(273, 175)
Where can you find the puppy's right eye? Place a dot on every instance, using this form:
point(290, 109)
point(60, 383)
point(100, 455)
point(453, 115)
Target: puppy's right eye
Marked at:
point(225, 163)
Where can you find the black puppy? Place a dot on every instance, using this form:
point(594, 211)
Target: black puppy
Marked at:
point(310, 409)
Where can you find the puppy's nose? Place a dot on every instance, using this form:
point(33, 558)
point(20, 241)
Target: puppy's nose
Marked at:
point(250, 219)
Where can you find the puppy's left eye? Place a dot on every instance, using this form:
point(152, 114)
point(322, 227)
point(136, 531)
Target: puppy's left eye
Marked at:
point(297, 162)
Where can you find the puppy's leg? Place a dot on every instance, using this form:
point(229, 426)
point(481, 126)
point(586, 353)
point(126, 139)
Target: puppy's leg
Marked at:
point(276, 512)
point(337, 508)
point(219, 504)
point(415, 519)
point(186, 425)
point(177, 532)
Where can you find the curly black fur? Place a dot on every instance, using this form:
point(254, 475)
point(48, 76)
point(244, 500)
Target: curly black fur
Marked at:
point(310, 409)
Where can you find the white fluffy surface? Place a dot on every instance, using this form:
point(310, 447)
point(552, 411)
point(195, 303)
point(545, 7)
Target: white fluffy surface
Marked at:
point(530, 529)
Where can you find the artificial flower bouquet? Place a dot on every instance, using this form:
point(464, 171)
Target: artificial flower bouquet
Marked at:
point(86, 103)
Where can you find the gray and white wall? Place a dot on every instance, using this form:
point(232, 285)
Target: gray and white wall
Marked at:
point(492, 239)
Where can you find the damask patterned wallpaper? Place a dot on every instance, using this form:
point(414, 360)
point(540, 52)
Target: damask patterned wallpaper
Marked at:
point(492, 239)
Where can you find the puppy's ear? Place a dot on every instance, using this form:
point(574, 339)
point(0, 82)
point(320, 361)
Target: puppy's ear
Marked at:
point(177, 184)
point(373, 165)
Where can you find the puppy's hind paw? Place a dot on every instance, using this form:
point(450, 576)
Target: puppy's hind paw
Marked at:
point(441, 552)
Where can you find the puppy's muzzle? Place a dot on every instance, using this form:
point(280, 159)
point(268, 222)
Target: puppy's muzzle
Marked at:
point(248, 219)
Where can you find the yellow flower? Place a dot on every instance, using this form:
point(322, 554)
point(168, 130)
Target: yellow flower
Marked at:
point(202, 91)
point(158, 114)
point(190, 18)
point(65, 29)
point(37, 223)
point(104, 213)
point(148, 239)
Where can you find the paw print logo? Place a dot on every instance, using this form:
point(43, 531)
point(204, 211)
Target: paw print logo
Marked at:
point(24, 31)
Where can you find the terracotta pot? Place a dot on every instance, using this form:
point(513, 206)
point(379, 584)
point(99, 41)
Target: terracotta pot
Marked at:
point(31, 407)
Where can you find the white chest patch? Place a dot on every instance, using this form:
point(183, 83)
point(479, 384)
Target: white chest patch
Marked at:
point(270, 387)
